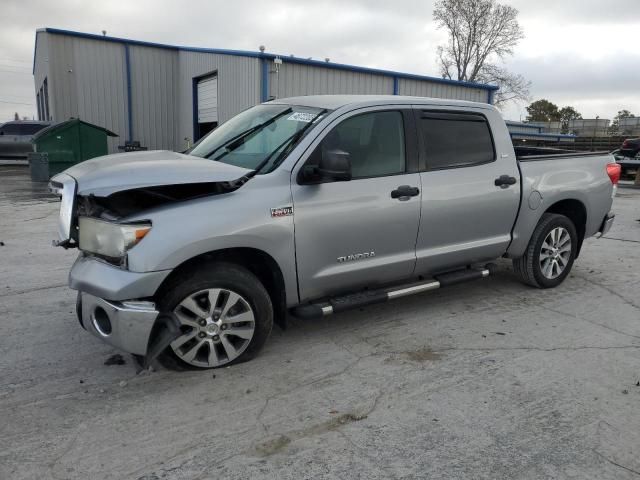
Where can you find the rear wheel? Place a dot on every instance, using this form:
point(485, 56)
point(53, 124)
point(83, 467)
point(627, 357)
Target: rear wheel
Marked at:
point(550, 253)
point(225, 316)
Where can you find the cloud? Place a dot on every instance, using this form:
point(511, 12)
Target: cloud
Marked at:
point(574, 49)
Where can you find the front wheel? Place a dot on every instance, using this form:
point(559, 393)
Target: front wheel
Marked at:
point(225, 316)
point(550, 253)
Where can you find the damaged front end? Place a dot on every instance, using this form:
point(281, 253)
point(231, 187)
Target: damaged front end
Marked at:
point(97, 204)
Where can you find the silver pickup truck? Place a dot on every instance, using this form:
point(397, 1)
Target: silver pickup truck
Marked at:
point(311, 206)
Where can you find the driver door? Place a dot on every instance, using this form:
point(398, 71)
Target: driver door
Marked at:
point(362, 232)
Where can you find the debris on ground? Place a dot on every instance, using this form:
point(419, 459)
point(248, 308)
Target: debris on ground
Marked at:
point(1, 244)
point(123, 383)
point(115, 359)
point(625, 391)
point(500, 333)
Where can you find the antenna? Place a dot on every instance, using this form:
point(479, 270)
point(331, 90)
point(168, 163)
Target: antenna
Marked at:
point(104, 33)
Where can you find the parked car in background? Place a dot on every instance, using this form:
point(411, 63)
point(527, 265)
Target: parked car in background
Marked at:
point(16, 136)
point(630, 147)
point(314, 205)
point(629, 166)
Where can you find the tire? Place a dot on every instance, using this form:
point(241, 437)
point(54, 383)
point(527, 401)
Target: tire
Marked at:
point(536, 266)
point(225, 313)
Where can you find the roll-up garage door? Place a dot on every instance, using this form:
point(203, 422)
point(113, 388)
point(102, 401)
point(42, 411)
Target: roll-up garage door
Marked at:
point(208, 100)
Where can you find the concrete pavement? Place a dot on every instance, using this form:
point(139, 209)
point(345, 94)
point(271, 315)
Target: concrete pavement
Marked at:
point(491, 379)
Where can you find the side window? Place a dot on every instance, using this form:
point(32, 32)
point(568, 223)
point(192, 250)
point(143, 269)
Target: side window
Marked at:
point(455, 139)
point(11, 129)
point(374, 141)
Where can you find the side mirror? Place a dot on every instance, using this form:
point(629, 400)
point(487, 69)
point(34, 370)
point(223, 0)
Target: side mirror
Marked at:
point(335, 165)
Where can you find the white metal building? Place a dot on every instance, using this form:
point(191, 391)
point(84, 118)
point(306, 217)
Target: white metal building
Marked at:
point(165, 96)
point(590, 127)
point(536, 132)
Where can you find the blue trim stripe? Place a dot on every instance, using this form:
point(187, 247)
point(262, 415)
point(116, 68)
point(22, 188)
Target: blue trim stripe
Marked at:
point(265, 80)
point(271, 56)
point(195, 108)
point(127, 67)
point(395, 85)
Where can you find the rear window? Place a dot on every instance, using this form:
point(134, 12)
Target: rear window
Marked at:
point(453, 140)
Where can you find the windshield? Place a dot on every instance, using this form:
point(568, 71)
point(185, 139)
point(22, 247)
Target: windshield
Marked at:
point(259, 134)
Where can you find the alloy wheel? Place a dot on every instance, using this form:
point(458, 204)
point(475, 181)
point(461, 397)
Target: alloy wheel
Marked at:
point(555, 252)
point(217, 326)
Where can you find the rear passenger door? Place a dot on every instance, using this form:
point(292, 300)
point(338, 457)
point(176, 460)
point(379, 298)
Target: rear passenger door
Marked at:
point(466, 217)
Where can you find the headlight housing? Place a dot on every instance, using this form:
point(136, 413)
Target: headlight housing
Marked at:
point(108, 239)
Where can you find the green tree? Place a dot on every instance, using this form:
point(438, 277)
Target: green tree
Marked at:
point(566, 114)
point(543, 111)
point(480, 33)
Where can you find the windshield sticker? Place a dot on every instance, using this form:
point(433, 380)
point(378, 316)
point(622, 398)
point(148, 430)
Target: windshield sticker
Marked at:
point(301, 117)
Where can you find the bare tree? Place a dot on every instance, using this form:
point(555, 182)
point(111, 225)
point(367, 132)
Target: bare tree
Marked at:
point(480, 32)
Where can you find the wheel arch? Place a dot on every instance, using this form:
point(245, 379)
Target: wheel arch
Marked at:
point(257, 261)
point(574, 210)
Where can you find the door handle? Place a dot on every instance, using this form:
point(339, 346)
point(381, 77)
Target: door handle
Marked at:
point(404, 191)
point(505, 180)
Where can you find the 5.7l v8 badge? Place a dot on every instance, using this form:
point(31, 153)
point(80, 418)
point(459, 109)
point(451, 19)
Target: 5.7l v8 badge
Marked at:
point(282, 211)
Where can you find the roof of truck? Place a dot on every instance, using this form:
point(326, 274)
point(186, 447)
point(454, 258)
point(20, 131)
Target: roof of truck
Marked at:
point(333, 102)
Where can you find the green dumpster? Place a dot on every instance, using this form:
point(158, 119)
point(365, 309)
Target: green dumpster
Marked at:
point(64, 144)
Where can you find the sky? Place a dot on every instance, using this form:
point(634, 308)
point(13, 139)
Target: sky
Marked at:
point(582, 53)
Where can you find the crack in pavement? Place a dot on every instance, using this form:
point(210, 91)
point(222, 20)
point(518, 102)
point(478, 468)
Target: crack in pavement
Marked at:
point(589, 321)
point(306, 384)
point(621, 239)
point(30, 290)
point(610, 290)
point(606, 459)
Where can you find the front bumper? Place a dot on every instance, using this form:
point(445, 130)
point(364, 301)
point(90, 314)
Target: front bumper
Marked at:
point(125, 325)
point(98, 278)
point(105, 307)
point(607, 222)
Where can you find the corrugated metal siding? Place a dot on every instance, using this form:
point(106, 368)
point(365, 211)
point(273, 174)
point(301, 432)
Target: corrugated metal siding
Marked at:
point(294, 80)
point(88, 82)
point(424, 88)
point(41, 66)
point(154, 74)
point(238, 86)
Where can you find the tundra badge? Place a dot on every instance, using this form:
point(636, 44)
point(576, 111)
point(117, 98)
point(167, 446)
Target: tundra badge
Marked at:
point(356, 256)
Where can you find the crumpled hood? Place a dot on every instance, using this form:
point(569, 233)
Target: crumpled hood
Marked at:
point(103, 176)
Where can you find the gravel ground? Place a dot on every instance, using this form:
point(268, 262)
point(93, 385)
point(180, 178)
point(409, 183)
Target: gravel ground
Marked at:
point(490, 379)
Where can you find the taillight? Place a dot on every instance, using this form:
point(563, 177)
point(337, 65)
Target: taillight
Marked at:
point(613, 170)
point(625, 144)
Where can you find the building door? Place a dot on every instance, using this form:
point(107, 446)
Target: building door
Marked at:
point(207, 101)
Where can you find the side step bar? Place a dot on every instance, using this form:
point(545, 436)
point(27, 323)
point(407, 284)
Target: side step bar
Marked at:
point(370, 297)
